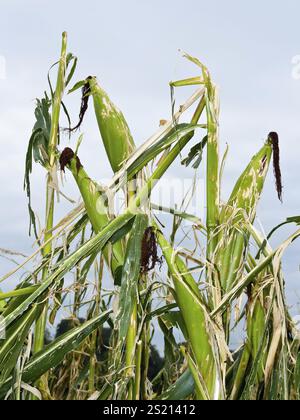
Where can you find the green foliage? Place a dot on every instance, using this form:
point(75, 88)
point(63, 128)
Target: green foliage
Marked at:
point(38, 146)
point(104, 265)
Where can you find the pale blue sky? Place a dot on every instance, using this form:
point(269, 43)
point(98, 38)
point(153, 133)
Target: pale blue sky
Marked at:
point(132, 46)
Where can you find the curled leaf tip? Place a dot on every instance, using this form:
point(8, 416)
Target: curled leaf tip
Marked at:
point(274, 138)
point(66, 157)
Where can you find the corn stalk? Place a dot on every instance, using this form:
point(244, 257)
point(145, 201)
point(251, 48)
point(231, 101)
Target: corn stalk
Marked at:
point(210, 277)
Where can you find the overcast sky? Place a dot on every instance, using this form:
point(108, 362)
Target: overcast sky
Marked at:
point(132, 46)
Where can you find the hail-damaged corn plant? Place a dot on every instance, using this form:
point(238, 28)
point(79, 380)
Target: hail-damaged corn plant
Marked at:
point(114, 282)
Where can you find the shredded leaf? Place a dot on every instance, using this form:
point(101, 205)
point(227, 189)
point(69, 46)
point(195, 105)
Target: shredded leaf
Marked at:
point(37, 147)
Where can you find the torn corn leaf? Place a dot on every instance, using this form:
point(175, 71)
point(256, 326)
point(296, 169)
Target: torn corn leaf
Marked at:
point(131, 274)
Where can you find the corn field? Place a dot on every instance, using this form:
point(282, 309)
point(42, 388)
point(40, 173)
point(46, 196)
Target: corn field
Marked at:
point(126, 277)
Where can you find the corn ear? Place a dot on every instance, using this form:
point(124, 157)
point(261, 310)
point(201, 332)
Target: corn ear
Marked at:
point(256, 325)
point(94, 200)
point(241, 205)
point(249, 186)
point(115, 133)
point(196, 318)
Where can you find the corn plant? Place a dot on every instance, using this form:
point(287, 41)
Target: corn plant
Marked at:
point(124, 277)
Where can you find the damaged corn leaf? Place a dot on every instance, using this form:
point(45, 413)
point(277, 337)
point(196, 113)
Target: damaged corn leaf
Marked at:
point(208, 281)
point(38, 146)
point(55, 352)
point(12, 346)
point(131, 274)
point(195, 154)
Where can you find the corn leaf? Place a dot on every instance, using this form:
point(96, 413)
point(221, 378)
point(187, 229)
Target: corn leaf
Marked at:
point(131, 274)
point(55, 352)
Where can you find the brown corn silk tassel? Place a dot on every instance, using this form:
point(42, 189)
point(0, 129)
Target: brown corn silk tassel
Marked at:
point(276, 163)
point(66, 157)
point(149, 256)
point(86, 90)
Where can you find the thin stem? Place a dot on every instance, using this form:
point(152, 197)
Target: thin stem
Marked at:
point(133, 326)
point(53, 141)
point(137, 382)
point(212, 177)
point(130, 348)
point(145, 357)
point(93, 359)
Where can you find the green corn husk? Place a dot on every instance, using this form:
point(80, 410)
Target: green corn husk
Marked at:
point(256, 346)
point(196, 320)
point(256, 324)
point(248, 188)
point(93, 197)
point(115, 133)
point(241, 205)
